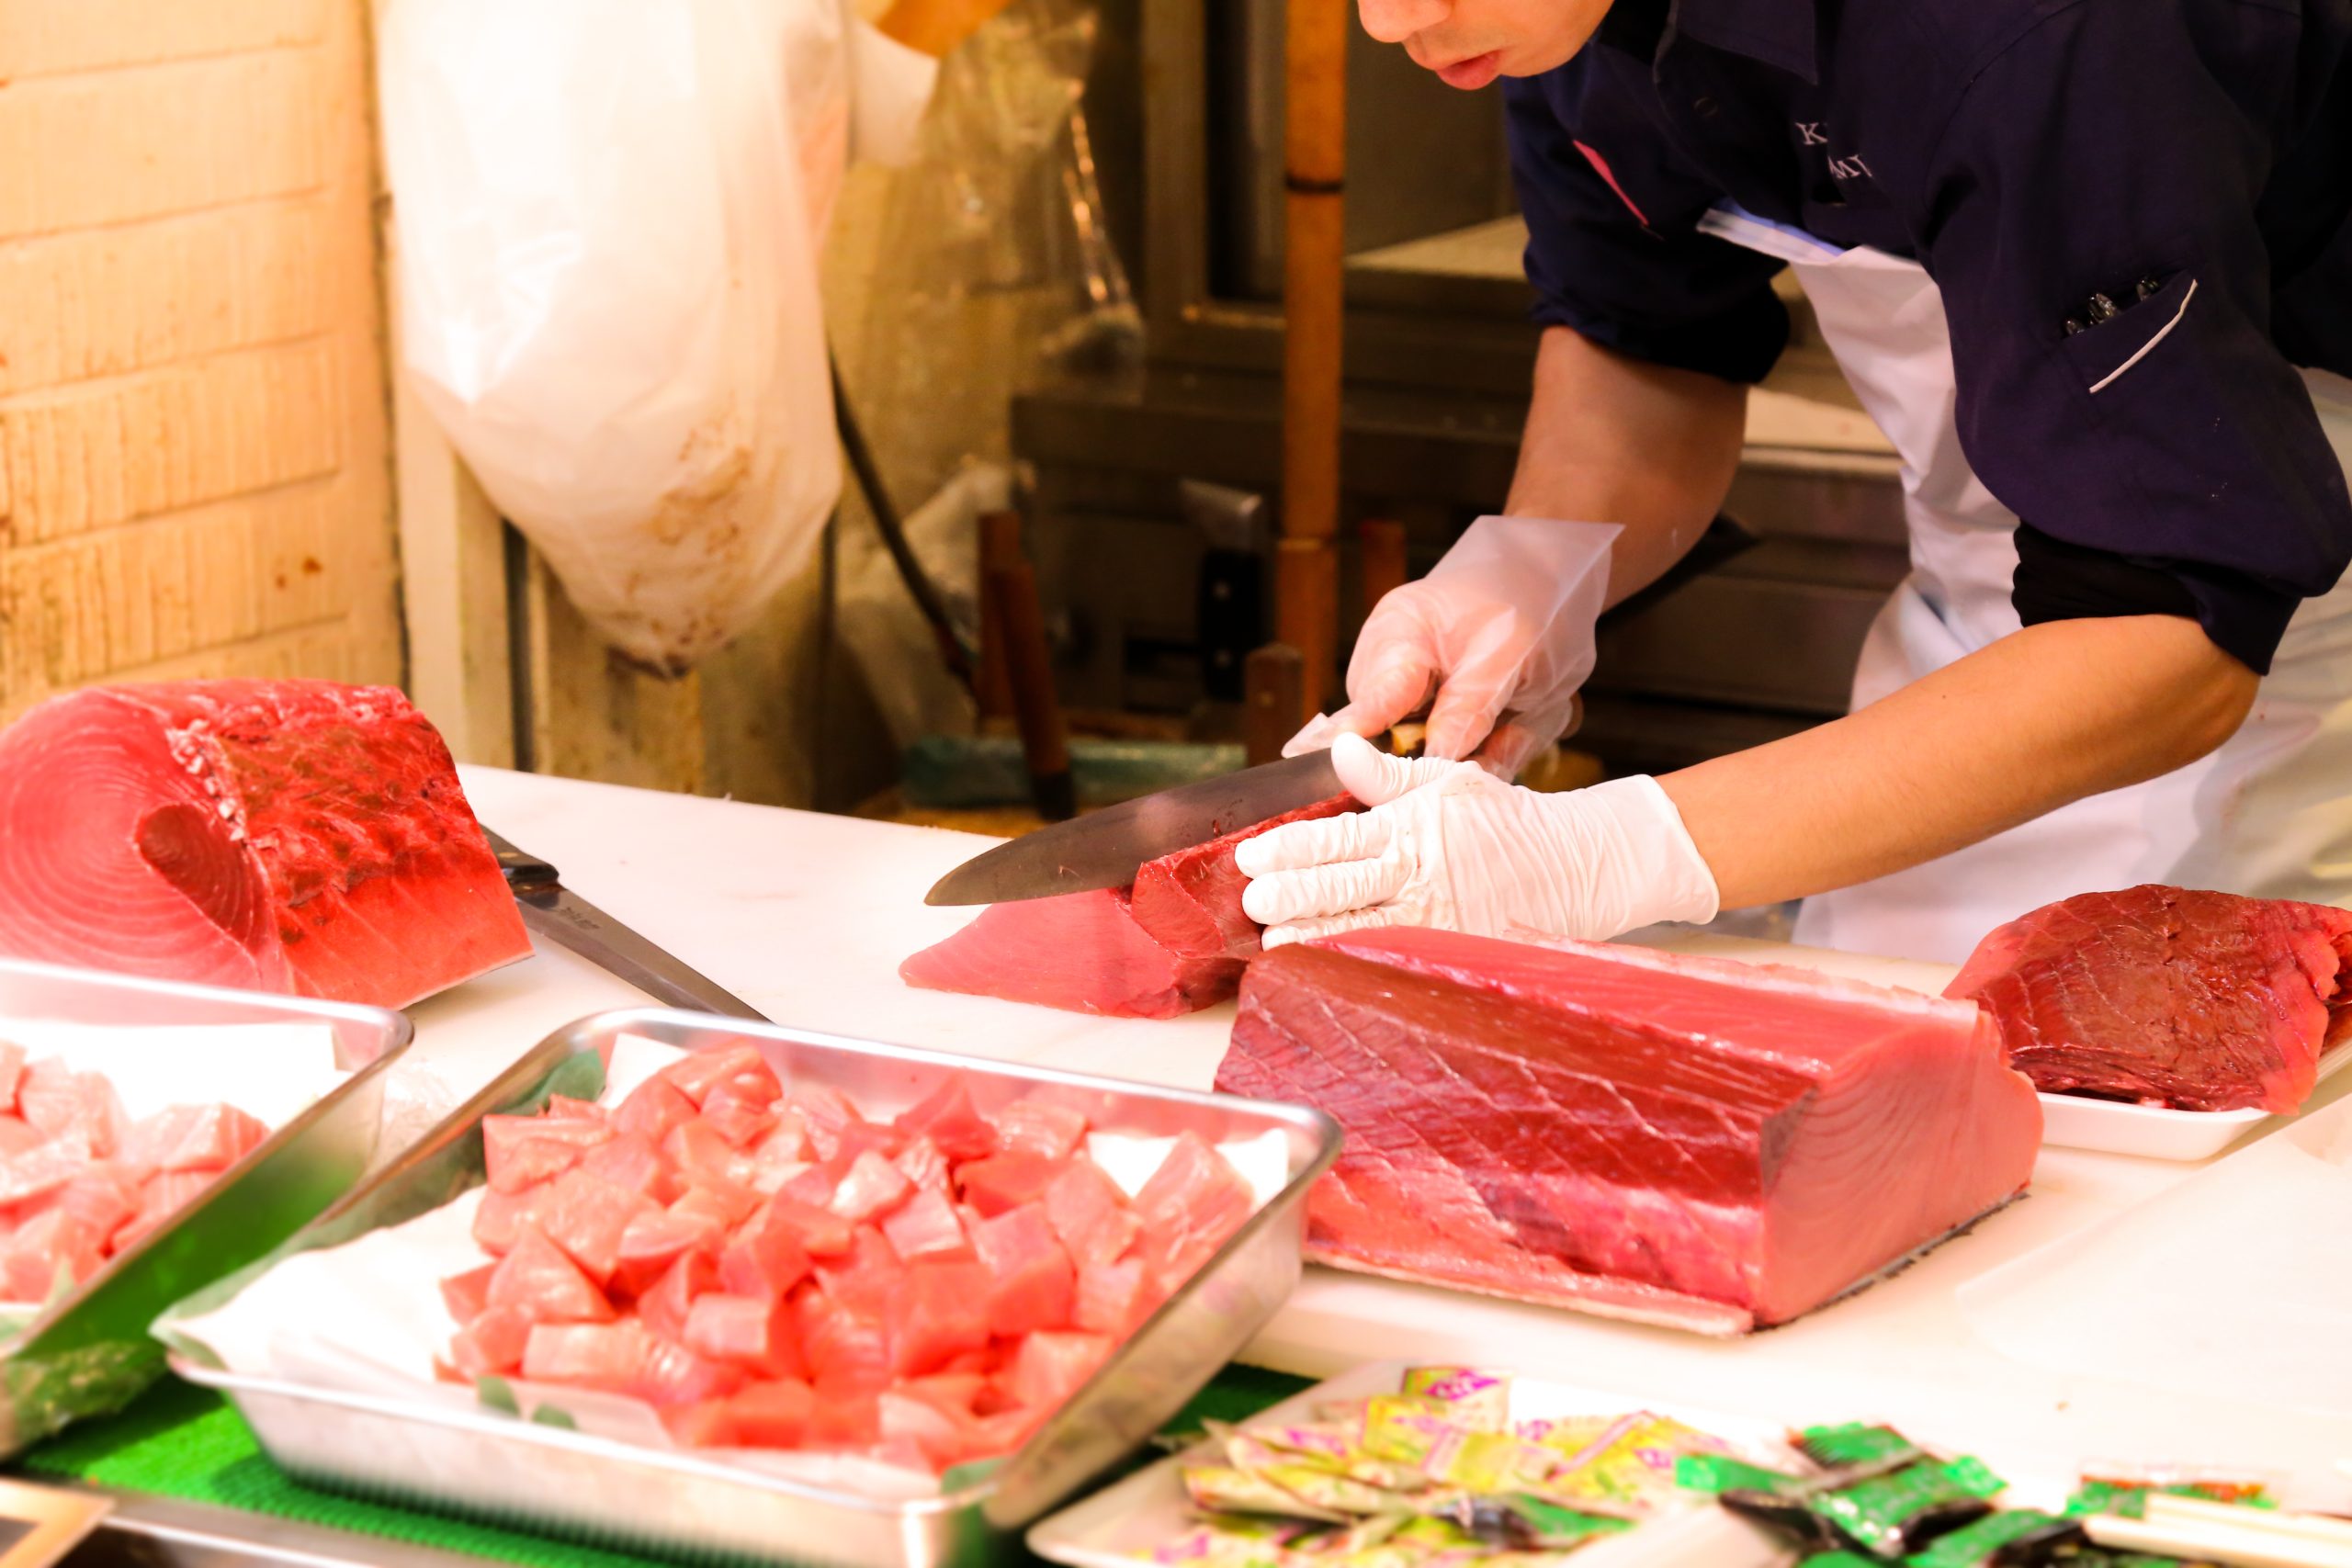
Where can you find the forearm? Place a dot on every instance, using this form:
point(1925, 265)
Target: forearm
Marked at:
point(2039, 718)
point(1615, 440)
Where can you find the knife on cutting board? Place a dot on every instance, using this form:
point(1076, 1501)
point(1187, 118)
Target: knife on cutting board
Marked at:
point(563, 915)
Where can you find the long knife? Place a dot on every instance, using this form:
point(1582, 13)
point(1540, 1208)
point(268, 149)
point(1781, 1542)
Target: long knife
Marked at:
point(1106, 849)
point(561, 915)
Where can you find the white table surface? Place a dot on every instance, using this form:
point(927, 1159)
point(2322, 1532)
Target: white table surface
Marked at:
point(805, 917)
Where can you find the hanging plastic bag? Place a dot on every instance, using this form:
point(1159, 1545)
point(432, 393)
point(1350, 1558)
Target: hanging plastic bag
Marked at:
point(608, 293)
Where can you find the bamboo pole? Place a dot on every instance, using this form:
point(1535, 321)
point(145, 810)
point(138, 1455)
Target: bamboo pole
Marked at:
point(1315, 167)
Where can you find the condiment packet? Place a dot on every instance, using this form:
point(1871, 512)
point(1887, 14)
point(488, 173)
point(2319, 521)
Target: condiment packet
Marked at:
point(1481, 1401)
point(1225, 1489)
point(1484, 1462)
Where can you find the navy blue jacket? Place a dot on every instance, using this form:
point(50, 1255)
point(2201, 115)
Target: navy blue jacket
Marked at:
point(2190, 160)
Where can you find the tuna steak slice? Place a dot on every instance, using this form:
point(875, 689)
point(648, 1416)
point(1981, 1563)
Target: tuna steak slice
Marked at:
point(2202, 1001)
point(1709, 1146)
point(1173, 943)
point(290, 836)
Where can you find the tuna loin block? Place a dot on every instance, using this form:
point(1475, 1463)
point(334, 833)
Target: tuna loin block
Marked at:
point(269, 835)
point(1173, 943)
point(2204, 1002)
point(1711, 1145)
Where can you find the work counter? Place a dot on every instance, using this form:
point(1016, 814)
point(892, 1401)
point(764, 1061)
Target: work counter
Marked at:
point(805, 917)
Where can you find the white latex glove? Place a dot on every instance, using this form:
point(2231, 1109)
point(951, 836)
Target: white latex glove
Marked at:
point(1501, 625)
point(1449, 844)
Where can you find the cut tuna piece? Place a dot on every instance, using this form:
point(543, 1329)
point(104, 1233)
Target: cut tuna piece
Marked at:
point(587, 1217)
point(925, 1227)
point(1006, 1181)
point(1039, 1127)
point(2165, 996)
point(654, 1109)
point(492, 1344)
point(193, 1137)
point(1033, 1279)
point(1111, 1297)
point(521, 1152)
point(59, 1102)
point(12, 1075)
point(1090, 1213)
point(848, 1351)
point(1173, 943)
point(538, 1278)
point(755, 1333)
point(1672, 1140)
point(290, 836)
point(938, 1312)
point(1193, 1202)
point(766, 1258)
point(655, 1240)
point(948, 1118)
point(468, 1293)
point(666, 1308)
point(742, 1071)
point(1052, 1367)
point(622, 1358)
point(632, 1162)
point(872, 1186)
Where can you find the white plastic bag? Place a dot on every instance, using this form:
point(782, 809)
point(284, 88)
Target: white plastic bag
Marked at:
point(610, 297)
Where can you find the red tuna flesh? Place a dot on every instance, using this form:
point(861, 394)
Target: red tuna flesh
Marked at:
point(291, 835)
point(1710, 1145)
point(1173, 943)
point(2203, 1002)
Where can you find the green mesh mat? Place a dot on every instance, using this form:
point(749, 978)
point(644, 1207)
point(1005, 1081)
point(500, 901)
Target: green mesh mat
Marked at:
point(183, 1442)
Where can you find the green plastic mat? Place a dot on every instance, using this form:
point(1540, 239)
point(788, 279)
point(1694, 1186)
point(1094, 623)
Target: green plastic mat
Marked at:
point(183, 1442)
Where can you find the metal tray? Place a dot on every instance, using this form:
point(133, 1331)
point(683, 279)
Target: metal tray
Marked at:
point(90, 1351)
point(620, 1495)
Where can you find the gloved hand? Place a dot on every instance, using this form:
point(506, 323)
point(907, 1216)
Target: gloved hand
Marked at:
point(1449, 844)
point(1502, 624)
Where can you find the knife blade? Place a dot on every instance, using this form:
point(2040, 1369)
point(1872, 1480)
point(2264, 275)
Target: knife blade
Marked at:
point(563, 915)
point(1105, 847)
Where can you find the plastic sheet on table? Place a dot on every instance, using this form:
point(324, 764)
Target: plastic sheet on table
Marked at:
point(2229, 1285)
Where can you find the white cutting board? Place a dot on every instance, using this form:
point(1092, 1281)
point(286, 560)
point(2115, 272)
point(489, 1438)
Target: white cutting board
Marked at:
point(807, 917)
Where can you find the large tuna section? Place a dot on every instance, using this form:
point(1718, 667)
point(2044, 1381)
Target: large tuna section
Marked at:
point(1711, 1145)
point(292, 836)
point(1175, 942)
point(2165, 996)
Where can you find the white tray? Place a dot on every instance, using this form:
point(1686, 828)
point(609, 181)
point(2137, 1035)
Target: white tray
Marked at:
point(1120, 1526)
point(2156, 1132)
point(2068, 1120)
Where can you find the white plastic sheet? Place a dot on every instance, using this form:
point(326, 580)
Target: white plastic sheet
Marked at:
point(608, 291)
point(2235, 1283)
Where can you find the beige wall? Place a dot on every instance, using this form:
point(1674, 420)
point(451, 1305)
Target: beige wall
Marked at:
point(193, 449)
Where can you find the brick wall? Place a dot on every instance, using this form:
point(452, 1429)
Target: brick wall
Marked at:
point(193, 450)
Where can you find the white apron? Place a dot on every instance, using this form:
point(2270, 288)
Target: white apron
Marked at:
point(2267, 814)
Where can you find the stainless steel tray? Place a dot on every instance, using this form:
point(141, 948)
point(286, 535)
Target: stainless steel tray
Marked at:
point(90, 1351)
point(613, 1493)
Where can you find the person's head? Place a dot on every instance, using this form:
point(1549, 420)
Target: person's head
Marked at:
point(1470, 42)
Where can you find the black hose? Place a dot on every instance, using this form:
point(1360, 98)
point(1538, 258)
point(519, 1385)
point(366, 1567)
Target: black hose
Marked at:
point(887, 523)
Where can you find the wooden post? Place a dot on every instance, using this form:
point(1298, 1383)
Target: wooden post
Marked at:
point(1272, 677)
point(1307, 608)
point(1381, 567)
point(992, 682)
point(1314, 261)
point(1045, 746)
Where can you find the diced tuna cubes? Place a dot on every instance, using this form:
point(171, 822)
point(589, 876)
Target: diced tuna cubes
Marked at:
point(778, 1272)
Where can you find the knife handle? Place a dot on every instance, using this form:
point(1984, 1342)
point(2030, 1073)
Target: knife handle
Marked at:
point(523, 872)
